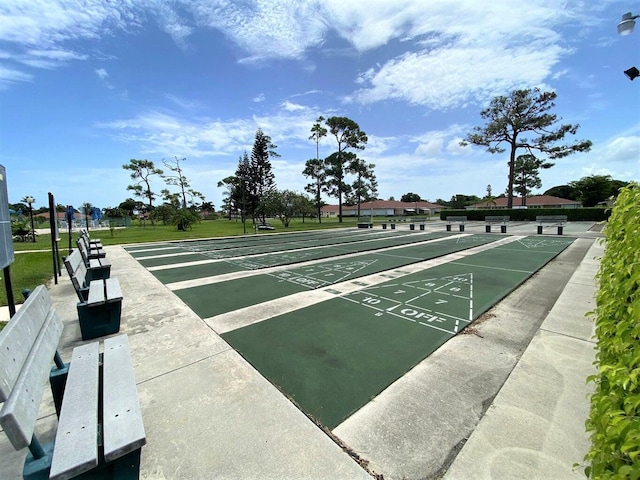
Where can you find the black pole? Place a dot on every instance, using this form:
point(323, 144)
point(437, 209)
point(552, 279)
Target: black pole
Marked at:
point(54, 238)
point(69, 220)
point(33, 230)
point(7, 283)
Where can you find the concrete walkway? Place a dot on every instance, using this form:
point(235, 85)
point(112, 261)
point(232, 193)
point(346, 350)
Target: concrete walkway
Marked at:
point(209, 414)
point(535, 428)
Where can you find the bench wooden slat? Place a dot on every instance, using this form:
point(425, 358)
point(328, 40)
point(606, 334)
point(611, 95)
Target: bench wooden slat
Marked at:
point(456, 219)
point(76, 445)
point(20, 410)
point(18, 337)
point(122, 419)
point(113, 290)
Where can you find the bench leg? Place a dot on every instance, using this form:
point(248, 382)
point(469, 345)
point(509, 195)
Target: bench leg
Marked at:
point(448, 228)
point(462, 227)
point(503, 229)
point(99, 320)
point(539, 229)
point(123, 468)
point(560, 228)
point(487, 229)
point(58, 380)
point(38, 468)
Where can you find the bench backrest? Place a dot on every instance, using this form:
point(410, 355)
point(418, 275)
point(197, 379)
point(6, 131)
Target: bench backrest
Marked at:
point(456, 219)
point(551, 218)
point(497, 218)
point(27, 347)
point(77, 271)
point(84, 249)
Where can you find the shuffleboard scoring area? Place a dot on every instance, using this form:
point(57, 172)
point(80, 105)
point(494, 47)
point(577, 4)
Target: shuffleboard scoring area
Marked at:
point(333, 357)
point(444, 303)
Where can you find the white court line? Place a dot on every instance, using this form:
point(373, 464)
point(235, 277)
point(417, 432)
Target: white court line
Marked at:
point(493, 268)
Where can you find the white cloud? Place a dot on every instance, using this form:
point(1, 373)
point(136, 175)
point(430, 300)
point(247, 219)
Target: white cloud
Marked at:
point(102, 73)
point(293, 107)
point(9, 76)
point(259, 98)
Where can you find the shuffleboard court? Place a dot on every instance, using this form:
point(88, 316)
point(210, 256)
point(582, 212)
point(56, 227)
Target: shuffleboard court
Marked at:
point(230, 247)
point(333, 357)
point(209, 300)
point(202, 254)
point(181, 271)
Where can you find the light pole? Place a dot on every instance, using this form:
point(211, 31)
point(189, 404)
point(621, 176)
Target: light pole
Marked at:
point(625, 27)
point(30, 201)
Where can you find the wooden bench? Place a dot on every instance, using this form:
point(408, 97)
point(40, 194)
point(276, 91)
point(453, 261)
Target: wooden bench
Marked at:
point(100, 301)
point(100, 427)
point(551, 220)
point(502, 220)
point(93, 243)
point(89, 252)
point(266, 226)
point(455, 219)
point(97, 268)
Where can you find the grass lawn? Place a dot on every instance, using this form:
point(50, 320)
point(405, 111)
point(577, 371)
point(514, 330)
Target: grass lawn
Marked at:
point(35, 266)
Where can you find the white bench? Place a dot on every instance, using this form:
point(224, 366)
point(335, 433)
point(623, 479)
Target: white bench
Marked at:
point(97, 268)
point(551, 220)
point(456, 219)
point(502, 220)
point(90, 252)
point(100, 301)
point(100, 425)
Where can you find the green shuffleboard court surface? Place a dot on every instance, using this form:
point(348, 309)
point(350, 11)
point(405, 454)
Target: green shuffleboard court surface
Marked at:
point(256, 262)
point(334, 357)
point(214, 299)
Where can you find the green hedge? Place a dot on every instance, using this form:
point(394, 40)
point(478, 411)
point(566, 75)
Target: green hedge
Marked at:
point(614, 421)
point(520, 214)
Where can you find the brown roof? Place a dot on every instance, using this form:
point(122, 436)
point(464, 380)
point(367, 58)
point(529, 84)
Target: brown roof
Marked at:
point(531, 201)
point(380, 204)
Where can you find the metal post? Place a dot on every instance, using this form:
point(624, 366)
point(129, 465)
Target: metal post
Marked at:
point(30, 201)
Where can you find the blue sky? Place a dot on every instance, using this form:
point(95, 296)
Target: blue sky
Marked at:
point(85, 86)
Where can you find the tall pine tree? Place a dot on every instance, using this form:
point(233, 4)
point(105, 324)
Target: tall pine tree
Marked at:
point(263, 180)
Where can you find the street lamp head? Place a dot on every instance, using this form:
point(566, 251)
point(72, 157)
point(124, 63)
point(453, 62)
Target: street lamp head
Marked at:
point(29, 199)
point(632, 73)
point(626, 26)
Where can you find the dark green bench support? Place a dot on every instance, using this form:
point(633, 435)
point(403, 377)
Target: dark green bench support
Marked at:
point(392, 223)
point(420, 221)
point(551, 220)
point(100, 430)
point(502, 220)
point(97, 268)
point(100, 302)
point(451, 220)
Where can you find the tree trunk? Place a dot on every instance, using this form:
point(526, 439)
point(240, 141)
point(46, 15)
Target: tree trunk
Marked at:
point(512, 163)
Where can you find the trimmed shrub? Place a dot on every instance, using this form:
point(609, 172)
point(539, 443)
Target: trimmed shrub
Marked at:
point(596, 214)
point(614, 420)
